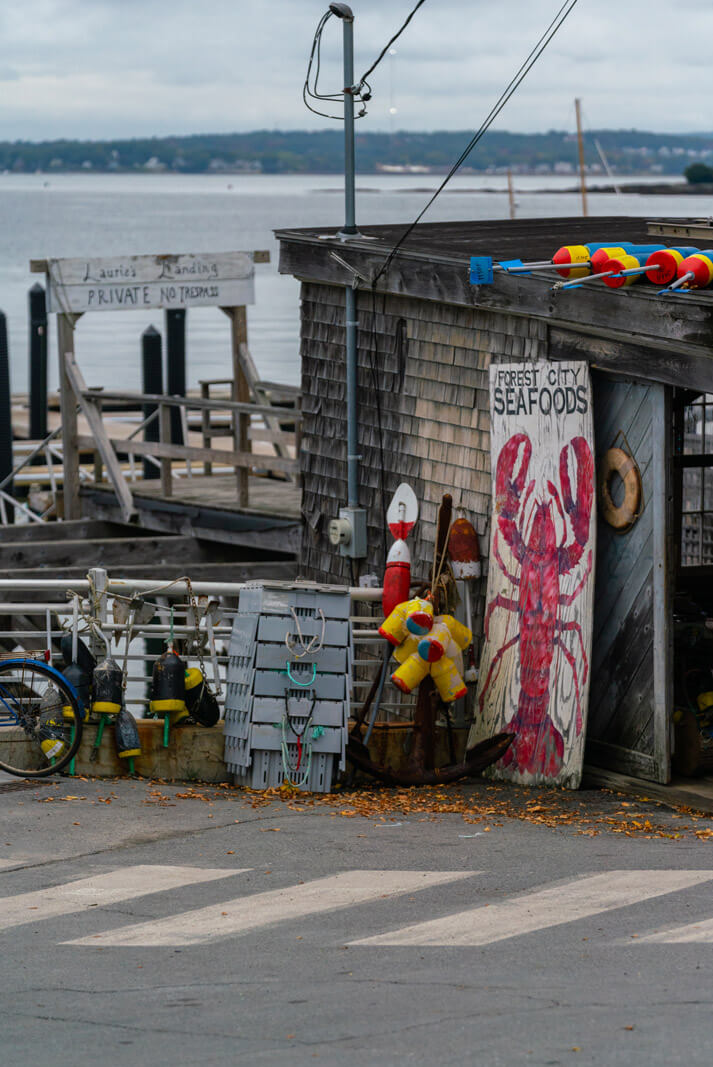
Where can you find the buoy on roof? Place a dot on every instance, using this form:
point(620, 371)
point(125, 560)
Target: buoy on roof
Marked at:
point(694, 272)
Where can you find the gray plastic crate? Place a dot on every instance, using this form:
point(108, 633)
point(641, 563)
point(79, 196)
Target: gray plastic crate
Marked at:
point(329, 659)
point(267, 772)
point(263, 674)
point(327, 739)
point(237, 723)
point(242, 637)
point(264, 599)
point(315, 686)
point(274, 628)
point(324, 712)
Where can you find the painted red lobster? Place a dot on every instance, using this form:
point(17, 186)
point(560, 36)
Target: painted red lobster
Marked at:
point(531, 535)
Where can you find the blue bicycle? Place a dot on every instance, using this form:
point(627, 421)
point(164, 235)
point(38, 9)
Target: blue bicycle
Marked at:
point(41, 717)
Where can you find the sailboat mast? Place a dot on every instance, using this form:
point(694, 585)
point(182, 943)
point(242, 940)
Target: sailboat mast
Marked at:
point(580, 142)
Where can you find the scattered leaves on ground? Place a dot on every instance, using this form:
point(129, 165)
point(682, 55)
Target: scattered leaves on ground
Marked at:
point(587, 812)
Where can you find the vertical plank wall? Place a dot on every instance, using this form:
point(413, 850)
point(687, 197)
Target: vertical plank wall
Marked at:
point(631, 658)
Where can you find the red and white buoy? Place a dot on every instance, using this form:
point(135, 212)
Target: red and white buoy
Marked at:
point(464, 552)
point(401, 518)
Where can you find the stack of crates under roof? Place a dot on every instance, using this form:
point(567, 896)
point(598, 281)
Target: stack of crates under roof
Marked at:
point(289, 680)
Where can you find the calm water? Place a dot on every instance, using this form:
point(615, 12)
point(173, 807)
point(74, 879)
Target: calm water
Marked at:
point(96, 215)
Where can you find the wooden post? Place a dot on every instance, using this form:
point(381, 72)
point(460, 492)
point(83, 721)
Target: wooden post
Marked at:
point(664, 567)
point(98, 464)
point(580, 142)
point(241, 393)
point(164, 432)
point(298, 434)
point(511, 195)
point(68, 411)
point(87, 402)
point(5, 412)
point(205, 426)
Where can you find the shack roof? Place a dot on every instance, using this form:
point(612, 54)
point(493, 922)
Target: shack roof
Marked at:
point(636, 330)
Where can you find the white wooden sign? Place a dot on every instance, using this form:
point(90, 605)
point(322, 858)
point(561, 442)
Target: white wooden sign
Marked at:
point(534, 671)
point(129, 283)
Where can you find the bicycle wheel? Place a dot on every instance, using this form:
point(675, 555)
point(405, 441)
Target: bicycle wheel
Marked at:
point(40, 719)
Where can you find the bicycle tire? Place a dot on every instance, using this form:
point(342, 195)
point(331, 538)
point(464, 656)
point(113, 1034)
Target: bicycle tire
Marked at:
point(66, 696)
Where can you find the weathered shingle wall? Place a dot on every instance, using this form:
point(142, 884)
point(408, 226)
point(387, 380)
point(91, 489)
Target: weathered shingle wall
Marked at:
point(430, 362)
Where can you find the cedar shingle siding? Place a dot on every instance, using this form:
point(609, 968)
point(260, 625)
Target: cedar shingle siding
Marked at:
point(431, 363)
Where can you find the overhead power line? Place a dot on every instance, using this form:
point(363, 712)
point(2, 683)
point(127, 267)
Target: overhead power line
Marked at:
point(512, 86)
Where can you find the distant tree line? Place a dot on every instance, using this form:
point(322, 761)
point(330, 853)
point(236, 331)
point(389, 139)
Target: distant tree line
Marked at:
point(321, 152)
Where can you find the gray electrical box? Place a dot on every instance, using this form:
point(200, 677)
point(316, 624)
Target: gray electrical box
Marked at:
point(348, 532)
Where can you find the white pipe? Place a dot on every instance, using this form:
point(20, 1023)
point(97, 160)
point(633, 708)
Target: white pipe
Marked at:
point(148, 585)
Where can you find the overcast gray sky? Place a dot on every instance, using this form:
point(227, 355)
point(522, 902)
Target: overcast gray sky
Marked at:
point(121, 68)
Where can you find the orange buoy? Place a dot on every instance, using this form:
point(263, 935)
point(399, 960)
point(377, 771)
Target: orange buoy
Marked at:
point(567, 256)
point(663, 265)
point(617, 264)
point(696, 271)
point(602, 256)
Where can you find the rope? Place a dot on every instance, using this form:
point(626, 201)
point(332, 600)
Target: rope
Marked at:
point(287, 767)
point(313, 646)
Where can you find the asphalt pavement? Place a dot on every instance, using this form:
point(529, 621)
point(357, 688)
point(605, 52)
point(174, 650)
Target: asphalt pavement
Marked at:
point(153, 924)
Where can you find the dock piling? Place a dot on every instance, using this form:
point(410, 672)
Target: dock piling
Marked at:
point(176, 366)
point(152, 371)
point(38, 362)
point(5, 414)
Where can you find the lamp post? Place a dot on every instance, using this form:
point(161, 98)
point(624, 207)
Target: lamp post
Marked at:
point(352, 514)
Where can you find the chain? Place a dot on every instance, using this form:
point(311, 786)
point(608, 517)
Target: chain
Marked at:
point(196, 628)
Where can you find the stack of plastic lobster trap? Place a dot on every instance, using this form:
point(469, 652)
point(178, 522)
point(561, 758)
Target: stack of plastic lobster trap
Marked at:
point(289, 681)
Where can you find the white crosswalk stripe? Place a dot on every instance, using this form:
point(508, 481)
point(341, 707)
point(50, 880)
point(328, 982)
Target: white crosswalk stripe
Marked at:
point(238, 916)
point(101, 889)
point(7, 865)
point(541, 909)
point(691, 933)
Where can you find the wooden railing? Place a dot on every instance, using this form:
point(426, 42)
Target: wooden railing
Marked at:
point(108, 450)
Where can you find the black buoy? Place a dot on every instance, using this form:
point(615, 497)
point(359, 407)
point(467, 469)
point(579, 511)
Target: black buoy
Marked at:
point(79, 674)
point(107, 688)
point(82, 683)
point(126, 735)
point(84, 657)
point(201, 703)
point(168, 689)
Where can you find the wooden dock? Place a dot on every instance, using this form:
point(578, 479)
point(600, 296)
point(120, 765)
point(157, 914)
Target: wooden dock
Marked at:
point(206, 506)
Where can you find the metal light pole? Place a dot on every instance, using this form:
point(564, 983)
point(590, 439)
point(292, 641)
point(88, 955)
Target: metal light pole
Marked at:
point(355, 516)
point(344, 12)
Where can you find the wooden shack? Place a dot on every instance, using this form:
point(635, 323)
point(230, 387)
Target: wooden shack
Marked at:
point(426, 338)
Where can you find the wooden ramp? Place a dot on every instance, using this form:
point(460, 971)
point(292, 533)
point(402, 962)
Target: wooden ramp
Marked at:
point(206, 506)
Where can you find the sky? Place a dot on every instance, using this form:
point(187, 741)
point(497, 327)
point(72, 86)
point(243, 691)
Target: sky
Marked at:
point(99, 69)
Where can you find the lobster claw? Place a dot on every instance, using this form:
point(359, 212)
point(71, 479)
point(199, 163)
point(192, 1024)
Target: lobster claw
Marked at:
point(508, 489)
point(579, 509)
